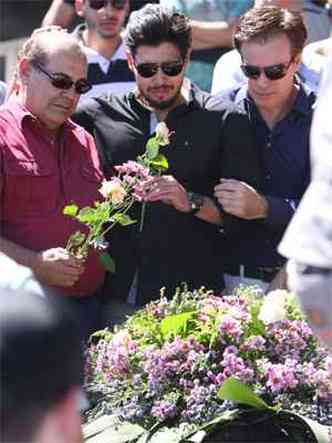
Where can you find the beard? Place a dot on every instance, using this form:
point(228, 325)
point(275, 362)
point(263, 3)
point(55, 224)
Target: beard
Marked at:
point(161, 105)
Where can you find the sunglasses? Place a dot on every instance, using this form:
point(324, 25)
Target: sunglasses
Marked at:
point(98, 4)
point(63, 81)
point(171, 69)
point(274, 72)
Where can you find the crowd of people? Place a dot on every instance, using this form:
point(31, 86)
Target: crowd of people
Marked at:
point(95, 96)
point(81, 103)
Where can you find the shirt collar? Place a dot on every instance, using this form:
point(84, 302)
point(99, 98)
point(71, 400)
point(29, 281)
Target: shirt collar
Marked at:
point(303, 103)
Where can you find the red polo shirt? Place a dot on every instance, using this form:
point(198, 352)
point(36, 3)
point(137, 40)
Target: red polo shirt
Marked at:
point(41, 176)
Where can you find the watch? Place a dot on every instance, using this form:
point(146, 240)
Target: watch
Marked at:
point(196, 202)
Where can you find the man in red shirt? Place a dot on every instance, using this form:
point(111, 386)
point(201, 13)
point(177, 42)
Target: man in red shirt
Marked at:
point(46, 162)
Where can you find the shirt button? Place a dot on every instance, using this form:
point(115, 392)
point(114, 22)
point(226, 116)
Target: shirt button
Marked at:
point(268, 145)
point(268, 177)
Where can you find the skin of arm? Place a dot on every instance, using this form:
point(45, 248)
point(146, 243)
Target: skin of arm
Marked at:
point(208, 35)
point(60, 14)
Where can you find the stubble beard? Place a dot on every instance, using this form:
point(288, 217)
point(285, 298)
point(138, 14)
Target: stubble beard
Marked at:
point(161, 105)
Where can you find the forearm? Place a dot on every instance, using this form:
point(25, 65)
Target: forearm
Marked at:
point(206, 35)
point(18, 253)
point(59, 14)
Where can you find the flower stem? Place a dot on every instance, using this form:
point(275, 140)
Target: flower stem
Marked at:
point(141, 223)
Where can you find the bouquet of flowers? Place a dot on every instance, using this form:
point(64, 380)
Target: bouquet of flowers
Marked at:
point(190, 361)
point(128, 185)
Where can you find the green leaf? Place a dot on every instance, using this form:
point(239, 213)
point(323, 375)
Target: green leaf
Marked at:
point(107, 262)
point(175, 324)
point(104, 431)
point(234, 390)
point(160, 163)
point(70, 210)
point(163, 435)
point(99, 425)
point(152, 148)
point(295, 421)
point(88, 215)
point(76, 239)
point(122, 219)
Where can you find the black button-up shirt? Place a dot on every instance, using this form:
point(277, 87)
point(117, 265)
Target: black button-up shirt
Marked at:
point(174, 247)
point(284, 152)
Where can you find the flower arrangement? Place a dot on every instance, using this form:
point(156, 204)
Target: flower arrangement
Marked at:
point(130, 184)
point(171, 361)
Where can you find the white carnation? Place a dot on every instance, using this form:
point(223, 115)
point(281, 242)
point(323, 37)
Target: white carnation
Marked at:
point(162, 133)
point(274, 307)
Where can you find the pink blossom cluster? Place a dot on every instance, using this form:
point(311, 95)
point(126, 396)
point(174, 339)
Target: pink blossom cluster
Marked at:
point(136, 176)
point(179, 376)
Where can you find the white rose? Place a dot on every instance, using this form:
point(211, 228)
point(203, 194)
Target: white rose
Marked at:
point(113, 190)
point(274, 307)
point(162, 133)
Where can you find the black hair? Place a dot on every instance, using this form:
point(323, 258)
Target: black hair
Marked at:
point(155, 24)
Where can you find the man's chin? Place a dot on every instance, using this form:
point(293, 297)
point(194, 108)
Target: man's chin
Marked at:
point(161, 105)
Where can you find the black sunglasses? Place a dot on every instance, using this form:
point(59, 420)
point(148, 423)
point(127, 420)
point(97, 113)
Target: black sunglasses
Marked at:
point(63, 81)
point(98, 4)
point(274, 72)
point(171, 69)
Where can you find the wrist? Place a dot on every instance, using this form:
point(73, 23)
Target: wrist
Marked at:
point(195, 202)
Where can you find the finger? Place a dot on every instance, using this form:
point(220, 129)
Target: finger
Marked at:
point(229, 187)
point(226, 195)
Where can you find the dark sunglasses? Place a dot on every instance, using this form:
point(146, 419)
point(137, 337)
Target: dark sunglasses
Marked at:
point(98, 4)
point(274, 72)
point(171, 69)
point(63, 81)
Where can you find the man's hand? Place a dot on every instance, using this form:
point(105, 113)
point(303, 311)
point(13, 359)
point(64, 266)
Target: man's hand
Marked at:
point(239, 199)
point(169, 191)
point(57, 267)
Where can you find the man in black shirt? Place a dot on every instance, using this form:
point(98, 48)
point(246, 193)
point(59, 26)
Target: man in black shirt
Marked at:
point(179, 241)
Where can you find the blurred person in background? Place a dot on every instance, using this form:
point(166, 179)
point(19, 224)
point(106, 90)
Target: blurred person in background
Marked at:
point(108, 69)
point(41, 371)
point(227, 73)
point(3, 91)
point(308, 240)
point(212, 23)
point(270, 41)
point(62, 12)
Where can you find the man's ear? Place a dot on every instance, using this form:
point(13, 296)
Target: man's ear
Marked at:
point(131, 62)
point(79, 6)
point(187, 59)
point(24, 70)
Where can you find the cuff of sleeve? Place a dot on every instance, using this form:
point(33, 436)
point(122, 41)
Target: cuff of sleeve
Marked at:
point(280, 211)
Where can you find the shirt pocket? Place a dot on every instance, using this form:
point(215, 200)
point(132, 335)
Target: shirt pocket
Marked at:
point(30, 189)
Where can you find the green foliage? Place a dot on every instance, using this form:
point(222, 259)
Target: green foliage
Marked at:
point(108, 262)
point(176, 325)
point(240, 393)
